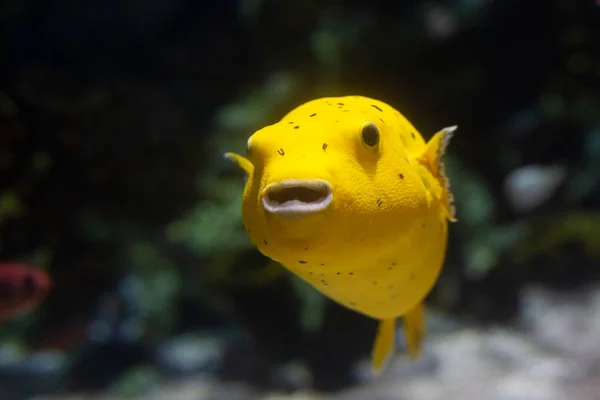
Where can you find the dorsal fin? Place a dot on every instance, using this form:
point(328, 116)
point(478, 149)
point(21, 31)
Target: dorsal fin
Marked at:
point(431, 158)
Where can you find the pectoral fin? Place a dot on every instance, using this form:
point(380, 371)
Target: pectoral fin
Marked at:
point(414, 330)
point(385, 345)
point(431, 158)
point(242, 162)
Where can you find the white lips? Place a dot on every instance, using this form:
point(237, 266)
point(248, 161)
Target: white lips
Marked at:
point(297, 197)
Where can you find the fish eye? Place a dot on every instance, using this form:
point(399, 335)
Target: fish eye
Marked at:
point(29, 285)
point(370, 134)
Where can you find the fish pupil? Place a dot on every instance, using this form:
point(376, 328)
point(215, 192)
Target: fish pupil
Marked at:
point(370, 134)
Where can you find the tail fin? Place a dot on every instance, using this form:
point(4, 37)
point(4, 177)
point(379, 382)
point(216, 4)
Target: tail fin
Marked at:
point(385, 345)
point(432, 160)
point(414, 330)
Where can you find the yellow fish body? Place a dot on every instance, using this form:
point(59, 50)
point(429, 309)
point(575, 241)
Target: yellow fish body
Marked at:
point(345, 193)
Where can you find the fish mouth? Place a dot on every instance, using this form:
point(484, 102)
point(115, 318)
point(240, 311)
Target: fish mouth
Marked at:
point(297, 197)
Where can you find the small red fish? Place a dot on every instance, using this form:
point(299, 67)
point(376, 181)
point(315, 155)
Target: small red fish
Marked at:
point(22, 289)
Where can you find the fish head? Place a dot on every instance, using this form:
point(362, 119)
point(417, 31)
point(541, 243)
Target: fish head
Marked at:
point(331, 181)
point(22, 288)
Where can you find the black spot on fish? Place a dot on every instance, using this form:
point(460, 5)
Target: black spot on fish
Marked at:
point(337, 120)
point(412, 134)
point(375, 107)
point(302, 262)
point(306, 248)
point(345, 110)
point(374, 282)
point(362, 240)
point(281, 152)
point(312, 115)
point(338, 273)
point(291, 122)
point(412, 276)
point(401, 176)
point(324, 146)
point(352, 304)
point(322, 264)
point(265, 242)
point(324, 282)
point(351, 273)
point(340, 104)
point(381, 119)
point(297, 126)
point(322, 274)
point(379, 202)
point(422, 225)
point(311, 273)
point(394, 264)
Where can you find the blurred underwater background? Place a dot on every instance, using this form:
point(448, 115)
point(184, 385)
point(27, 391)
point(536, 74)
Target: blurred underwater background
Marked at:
point(114, 116)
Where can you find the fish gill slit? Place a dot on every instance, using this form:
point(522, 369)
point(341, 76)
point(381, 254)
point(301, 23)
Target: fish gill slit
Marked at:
point(377, 108)
point(313, 114)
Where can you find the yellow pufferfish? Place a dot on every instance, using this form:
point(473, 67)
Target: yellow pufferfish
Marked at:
point(345, 193)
